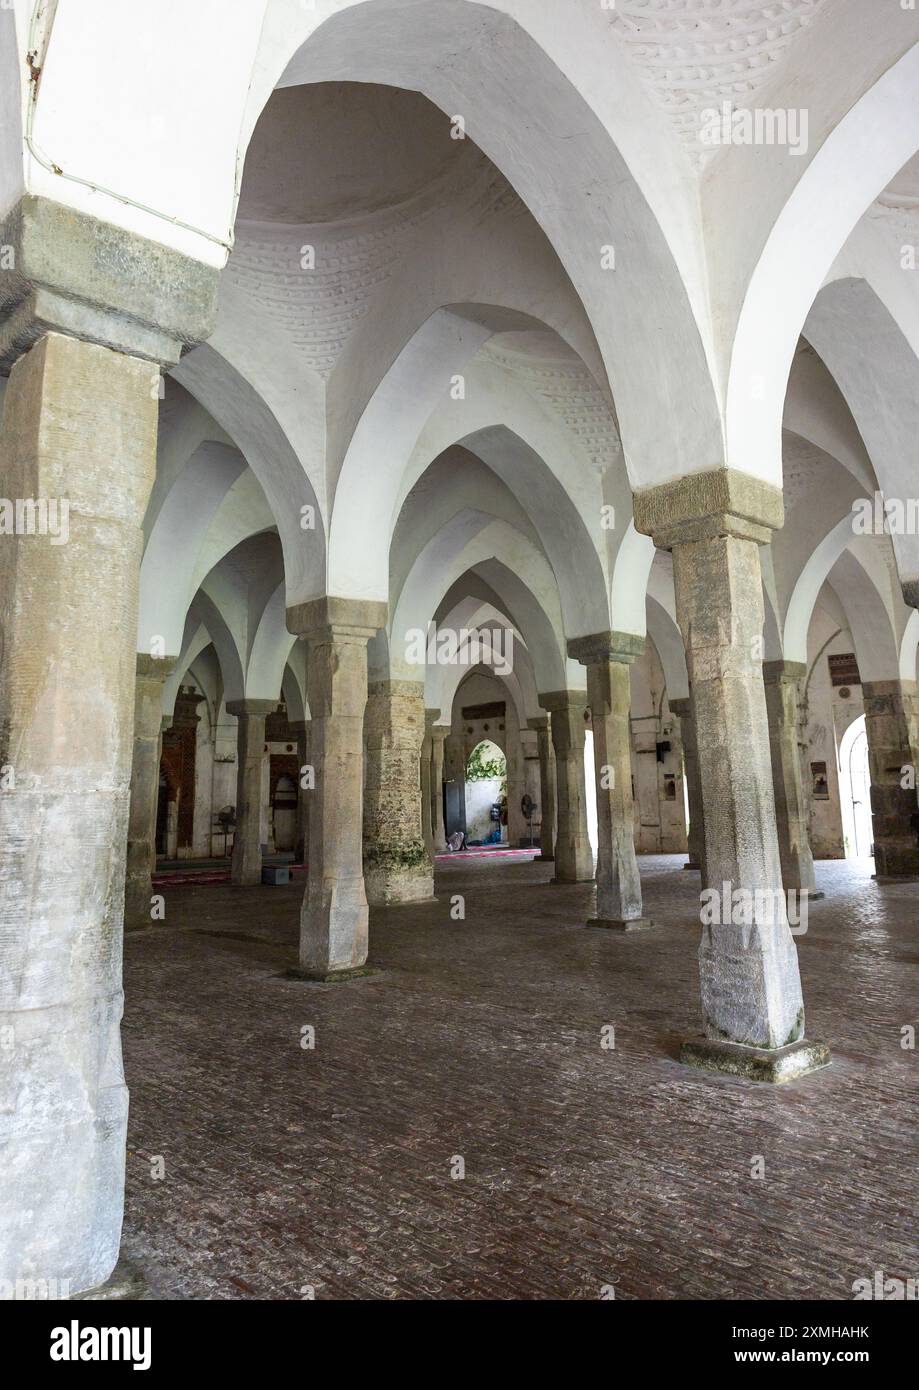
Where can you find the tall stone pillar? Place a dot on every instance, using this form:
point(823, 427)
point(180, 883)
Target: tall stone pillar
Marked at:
point(396, 866)
point(607, 656)
point(696, 830)
point(88, 316)
point(152, 673)
point(426, 778)
point(246, 863)
point(438, 738)
point(546, 790)
point(574, 861)
point(455, 770)
point(890, 725)
point(751, 990)
point(301, 728)
point(334, 917)
point(781, 680)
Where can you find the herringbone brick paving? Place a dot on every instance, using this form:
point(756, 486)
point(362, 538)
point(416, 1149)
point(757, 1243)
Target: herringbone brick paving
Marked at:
point(289, 1169)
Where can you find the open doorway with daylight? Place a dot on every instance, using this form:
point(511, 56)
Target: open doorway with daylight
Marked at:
point(486, 795)
point(855, 791)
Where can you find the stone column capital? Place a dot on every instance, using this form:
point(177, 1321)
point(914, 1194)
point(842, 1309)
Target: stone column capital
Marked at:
point(430, 719)
point(252, 707)
point(605, 646)
point(87, 279)
point(888, 690)
point(555, 701)
point(155, 668)
point(539, 725)
point(703, 506)
point(776, 671)
point(681, 707)
point(321, 619)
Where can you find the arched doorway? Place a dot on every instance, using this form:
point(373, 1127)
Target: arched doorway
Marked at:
point(855, 791)
point(486, 795)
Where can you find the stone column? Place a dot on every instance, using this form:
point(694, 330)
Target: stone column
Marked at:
point(781, 679)
point(607, 656)
point(396, 866)
point(890, 725)
point(751, 991)
point(334, 918)
point(246, 864)
point(438, 738)
point(546, 790)
point(152, 673)
point(426, 771)
point(574, 861)
point(455, 768)
point(88, 315)
point(696, 829)
point(301, 728)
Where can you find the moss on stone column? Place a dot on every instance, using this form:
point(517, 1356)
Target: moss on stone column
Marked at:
point(396, 866)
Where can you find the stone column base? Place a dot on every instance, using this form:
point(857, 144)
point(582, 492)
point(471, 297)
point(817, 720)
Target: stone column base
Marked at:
point(126, 1284)
point(621, 923)
point(331, 977)
point(756, 1063)
point(895, 863)
point(388, 885)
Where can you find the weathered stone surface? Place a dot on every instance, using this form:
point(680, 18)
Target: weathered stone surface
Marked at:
point(782, 683)
point(79, 422)
point(334, 917)
point(246, 863)
point(546, 789)
point(607, 657)
point(396, 865)
point(696, 830)
point(126, 1284)
point(438, 738)
point(91, 280)
point(301, 727)
point(426, 779)
point(574, 860)
point(145, 784)
point(893, 746)
point(701, 506)
point(751, 990)
point(756, 1063)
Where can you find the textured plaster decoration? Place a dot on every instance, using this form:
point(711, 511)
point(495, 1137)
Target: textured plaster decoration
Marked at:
point(695, 54)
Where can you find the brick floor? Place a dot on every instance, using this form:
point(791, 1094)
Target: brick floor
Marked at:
point(288, 1168)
